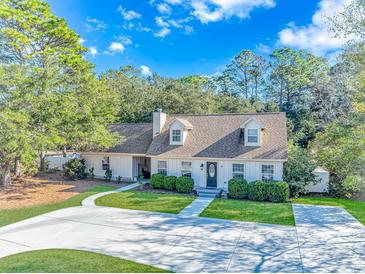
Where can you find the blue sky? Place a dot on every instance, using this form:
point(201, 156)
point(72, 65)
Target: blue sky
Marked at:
point(184, 37)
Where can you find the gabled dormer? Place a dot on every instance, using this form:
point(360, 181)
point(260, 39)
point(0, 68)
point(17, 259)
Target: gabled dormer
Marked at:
point(251, 132)
point(178, 131)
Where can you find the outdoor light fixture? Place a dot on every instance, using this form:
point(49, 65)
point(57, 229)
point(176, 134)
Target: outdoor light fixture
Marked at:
point(201, 166)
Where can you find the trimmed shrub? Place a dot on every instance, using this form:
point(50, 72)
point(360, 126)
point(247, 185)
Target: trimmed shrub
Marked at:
point(169, 183)
point(238, 188)
point(258, 190)
point(75, 169)
point(157, 181)
point(184, 184)
point(278, 192)
point(108, 175)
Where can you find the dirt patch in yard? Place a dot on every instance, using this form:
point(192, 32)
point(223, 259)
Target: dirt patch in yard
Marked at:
point(44, 189)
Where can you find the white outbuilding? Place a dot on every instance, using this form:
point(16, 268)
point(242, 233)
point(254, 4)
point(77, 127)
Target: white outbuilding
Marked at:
point(322, 183)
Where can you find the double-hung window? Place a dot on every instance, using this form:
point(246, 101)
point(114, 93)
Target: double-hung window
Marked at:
point(105, 163)
point(186, 168)
point(253, 135)
point(162, 167)
point(176, 135)
point(238, 171)
point(267, 172)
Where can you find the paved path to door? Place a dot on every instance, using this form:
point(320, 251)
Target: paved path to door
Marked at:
point(90, 201)
point(196, 207)
point(330, 239)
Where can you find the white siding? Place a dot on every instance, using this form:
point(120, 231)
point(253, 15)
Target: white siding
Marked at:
point(119, 164)
point(224, 169)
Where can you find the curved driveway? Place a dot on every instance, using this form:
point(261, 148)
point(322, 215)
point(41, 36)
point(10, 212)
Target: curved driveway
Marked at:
point(198, 244)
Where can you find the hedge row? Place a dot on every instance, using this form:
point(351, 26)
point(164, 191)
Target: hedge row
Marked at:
point(180, 184)
point(276, 191)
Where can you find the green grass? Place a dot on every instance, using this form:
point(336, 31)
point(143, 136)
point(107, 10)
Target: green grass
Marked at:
point(355, 208)
point(169, 203)
point(250, 211)
point(9, 216)
point(68, 261)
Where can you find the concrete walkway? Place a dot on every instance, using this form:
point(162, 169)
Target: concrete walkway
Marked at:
point(330, 239)
point(196, 207)
point(90, 201)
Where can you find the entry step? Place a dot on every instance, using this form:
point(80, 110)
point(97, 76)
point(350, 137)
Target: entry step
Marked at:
point(209, 192)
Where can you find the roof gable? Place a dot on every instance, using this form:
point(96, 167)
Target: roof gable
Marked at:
point(184, 123)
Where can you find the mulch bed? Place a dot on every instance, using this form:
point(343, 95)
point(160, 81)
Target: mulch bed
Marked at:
point(44, 189)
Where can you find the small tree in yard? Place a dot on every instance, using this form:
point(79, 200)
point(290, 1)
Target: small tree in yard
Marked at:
point(298, 170)
point(75, 169)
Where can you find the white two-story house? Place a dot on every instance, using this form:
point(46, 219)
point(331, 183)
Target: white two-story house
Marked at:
point(211, 148)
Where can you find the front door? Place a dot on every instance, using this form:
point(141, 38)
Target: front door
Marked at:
point(211, 174)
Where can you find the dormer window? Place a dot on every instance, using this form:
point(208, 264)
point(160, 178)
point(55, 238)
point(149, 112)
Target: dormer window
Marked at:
point(253, 135)
point(179, 129)
point(176, 135)
point(251, 132)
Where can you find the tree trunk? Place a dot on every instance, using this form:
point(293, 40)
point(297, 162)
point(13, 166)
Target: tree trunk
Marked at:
point(42, 161)
point(17, 167)
point(6, 179)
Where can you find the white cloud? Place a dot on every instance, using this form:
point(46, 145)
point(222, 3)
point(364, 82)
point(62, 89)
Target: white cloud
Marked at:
point(262, 48)
point(188, 29)
point(160, 22)
point(162, 32)
point(173, 2)
point(93, 51)
point(128, 15)
point(164, 27)
point(146, 71)
point(215, 10)
point(126, 40)
point(94, 24)
point(81, 40)
point(164, 8)
point(116, 47)
point(315, 37)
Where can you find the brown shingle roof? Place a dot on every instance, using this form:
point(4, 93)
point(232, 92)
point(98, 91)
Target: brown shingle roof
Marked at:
point(136, 138)
point(212, 136)
point(217, 136)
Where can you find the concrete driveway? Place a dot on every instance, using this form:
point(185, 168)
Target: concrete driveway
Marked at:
point(195, 244)
point(330, 239)
point(163, 240)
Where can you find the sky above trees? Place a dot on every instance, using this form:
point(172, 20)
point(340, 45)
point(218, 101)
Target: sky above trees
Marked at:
point(181, 37)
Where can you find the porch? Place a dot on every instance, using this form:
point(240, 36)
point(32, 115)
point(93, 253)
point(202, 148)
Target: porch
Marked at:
point(141, 167)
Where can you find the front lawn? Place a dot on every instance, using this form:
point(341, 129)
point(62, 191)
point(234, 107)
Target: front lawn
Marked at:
point(9, 216)
point(250, 211)
point(168, 203)
point(69, 261)
point(355, 208)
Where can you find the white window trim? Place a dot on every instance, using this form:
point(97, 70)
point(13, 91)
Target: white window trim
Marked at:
point(174, 135)
point(262, 173)
point(235, 172)
point(161, 168)
point(187, 170)
point(247, 143)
